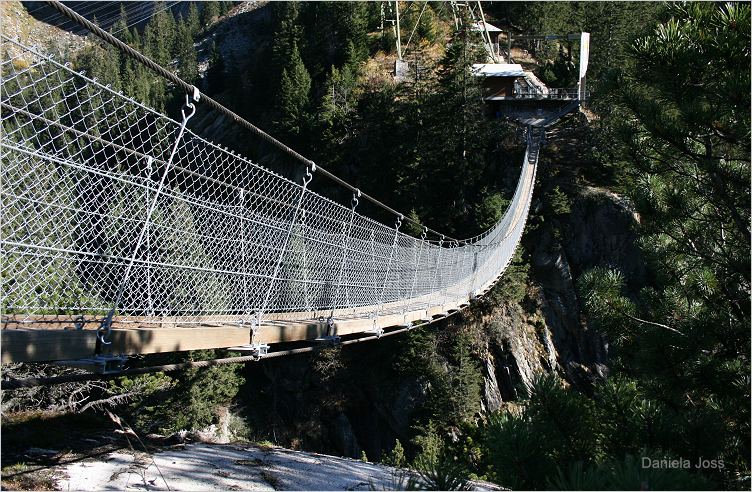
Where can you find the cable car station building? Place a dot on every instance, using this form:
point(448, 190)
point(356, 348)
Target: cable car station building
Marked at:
point(511, 92)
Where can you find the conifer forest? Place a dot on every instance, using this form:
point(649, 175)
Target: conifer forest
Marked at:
point(618, 340)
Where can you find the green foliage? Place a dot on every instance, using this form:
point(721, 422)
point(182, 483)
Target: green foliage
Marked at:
point(186, 400)
point(465, 381)
point(416, 353)
point(444, 362)
point(490, 209)
point(559, 202)
point(159, 35)
point(188, 65)
point(210, 12)
point(193, 21)
point(563, 441)
point(201, 390)
point(517, 452)
point(453, 376)
point(628, 474)
point(610, 24)
point(681, 115)
point(396, 457)
point(295, 87)
point(439, 470)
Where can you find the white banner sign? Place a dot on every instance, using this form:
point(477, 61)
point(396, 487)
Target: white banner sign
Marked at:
point(584, 55)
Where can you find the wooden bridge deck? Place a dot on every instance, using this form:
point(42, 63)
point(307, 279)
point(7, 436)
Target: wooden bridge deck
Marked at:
point(40, 345)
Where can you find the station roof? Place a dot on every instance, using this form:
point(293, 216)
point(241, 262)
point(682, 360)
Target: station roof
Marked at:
point(498, 70)
point(478, 26)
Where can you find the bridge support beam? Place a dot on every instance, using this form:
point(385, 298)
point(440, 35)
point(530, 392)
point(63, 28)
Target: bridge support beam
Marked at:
point(42, 345)
point(49, 345)
point(35, 345)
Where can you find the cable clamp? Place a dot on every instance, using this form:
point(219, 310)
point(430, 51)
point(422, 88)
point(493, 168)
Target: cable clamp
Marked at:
point(332, 340)
point(376, 330)
point(257, 350)
point(98, 364)
point(196, 94)
point(331, 337)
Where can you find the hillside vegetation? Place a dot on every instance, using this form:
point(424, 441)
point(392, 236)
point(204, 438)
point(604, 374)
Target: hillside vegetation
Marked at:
point(618, 339)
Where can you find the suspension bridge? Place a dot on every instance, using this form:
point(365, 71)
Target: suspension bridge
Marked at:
point(123, 232)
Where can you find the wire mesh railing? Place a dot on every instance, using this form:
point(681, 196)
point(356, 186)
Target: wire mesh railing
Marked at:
point(111, 209)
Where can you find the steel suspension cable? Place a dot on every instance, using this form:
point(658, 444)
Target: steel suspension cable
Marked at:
point(190, 89)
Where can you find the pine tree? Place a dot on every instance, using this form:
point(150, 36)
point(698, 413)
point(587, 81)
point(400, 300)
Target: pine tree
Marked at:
point(120, 27)
point(293, 99)
point(159, 35)
point(681, 110)
point(453, 137)
point(286, 34)
point(215, 77)
point(209, 13)
point(466, 380)
point(193, 19)
point(185, 50)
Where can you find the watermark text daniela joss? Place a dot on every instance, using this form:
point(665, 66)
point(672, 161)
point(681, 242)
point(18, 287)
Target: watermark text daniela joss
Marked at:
point(681, 463)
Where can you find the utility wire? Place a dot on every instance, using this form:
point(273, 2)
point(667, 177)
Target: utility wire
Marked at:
point(62, 22)
point(192, 90)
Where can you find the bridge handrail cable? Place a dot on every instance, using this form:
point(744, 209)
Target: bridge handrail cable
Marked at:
point(228, 240)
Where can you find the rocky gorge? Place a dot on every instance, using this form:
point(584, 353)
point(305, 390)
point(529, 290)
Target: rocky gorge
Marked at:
point(350, 400)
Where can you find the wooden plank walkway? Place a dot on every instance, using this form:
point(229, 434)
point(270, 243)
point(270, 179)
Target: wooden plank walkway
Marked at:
point(41, 345)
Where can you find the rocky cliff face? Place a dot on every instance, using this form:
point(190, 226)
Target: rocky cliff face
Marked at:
point(599, 230)
point(16, 23)
point(342, 401)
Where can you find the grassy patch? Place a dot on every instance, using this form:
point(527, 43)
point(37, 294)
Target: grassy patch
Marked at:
point(21, 476)
point(254, 462)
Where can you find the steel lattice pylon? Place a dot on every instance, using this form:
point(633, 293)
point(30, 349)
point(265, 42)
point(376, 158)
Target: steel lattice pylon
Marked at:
point(228, 240)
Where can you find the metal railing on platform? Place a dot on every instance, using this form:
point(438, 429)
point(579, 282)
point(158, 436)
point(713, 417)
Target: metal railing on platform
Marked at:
point(557, 93)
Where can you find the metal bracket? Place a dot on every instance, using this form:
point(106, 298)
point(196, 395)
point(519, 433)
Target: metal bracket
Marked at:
point(378, 331)
point(329, 340)
point(98, 364)
point(257, 350)
point(254, 349)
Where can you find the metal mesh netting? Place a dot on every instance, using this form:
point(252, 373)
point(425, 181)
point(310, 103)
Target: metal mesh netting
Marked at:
point(227, 240)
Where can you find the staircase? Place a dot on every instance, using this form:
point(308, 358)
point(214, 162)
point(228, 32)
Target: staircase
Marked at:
point(561, 112)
